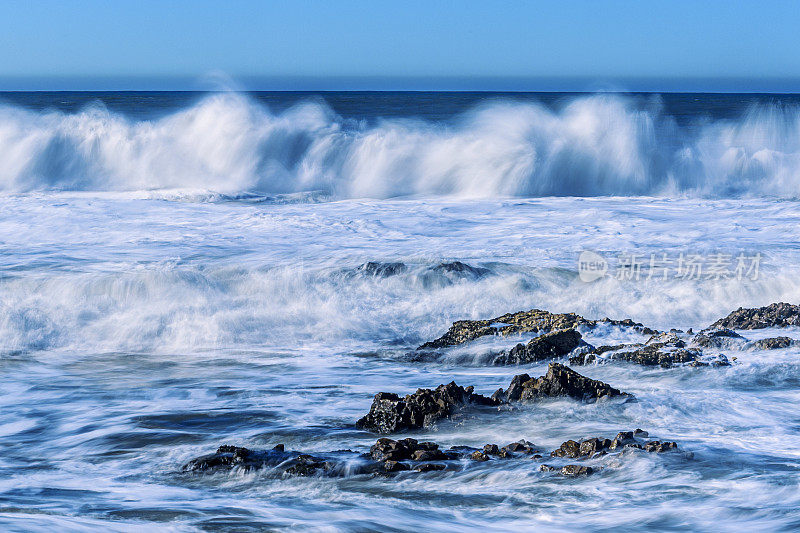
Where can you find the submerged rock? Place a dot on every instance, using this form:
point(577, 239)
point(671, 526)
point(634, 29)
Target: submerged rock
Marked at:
point(533, 321)
point(718, 338)
point(559, 381)
point(774, 343)
point(291, 463)
point(548, 346)
point(381, 270)
point(665, 350)
point(390, 413)
point(597, 446)
point(777, 315)
point(391, 457)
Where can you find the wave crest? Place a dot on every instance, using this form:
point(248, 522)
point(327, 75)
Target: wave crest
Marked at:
point(227, 143)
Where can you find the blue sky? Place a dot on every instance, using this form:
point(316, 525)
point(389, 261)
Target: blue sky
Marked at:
point(308, 44)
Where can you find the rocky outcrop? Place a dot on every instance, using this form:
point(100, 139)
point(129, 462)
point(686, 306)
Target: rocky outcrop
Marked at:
point(599, 446)
point(381, 270)
point(665, 350)
point(777, 315)
point(291, 463)
point(390, 413)
point(533, 321)
point(389, 457)
point(559, 381)
point(718, 338)
point(548, 346)
point(774, 343)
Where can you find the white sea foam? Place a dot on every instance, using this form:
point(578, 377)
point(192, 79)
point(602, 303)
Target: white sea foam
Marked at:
point(228, 144)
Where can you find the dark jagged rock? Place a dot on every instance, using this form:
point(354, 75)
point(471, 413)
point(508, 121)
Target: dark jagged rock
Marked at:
point(395, 466)
point(718, 338)
point(390, 413)
point(559, 381)
point(548, 346)
point(445, 274)
point(463, 269)
point(291, 463)
point(406, 449)
point(774, 343)
point(777, 315)
point(389, 457)
point(430, 467)
point(382, 270)
point(665, 350)
point(599, 446)
point(521, 446)
point(576, 470)
point(533, 321)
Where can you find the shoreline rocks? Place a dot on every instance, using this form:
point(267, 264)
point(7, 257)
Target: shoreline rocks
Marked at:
point(390, 413)
point(390, 457)
point(665, 350)
point(559, 381)
point(553, 345)
point(533, 321)
point(776, 315)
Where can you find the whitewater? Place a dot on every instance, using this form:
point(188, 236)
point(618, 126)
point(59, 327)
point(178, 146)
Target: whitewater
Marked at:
point(178, 278)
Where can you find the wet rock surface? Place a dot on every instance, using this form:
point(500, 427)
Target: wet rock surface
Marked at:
point(381, 270)
point(548, 346)
point(718, 338)
point(598, 446)
point(776, 315)
point(390, 457)
point(533, 321)
point(559, 381)
point(665, 350)
point(774, 343)
point(390, 413)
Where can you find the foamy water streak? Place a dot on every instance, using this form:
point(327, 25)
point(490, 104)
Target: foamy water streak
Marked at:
point(229, 144)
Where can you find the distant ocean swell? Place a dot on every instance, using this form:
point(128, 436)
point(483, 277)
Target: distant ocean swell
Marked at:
point(228, 144)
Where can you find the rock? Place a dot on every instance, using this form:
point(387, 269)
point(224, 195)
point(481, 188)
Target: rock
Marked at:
point(569, 448)
point(576, 470)
point(659, 447)
point(548, 346)
point(665, 350)
point(395, 466)
point(457, 267)
point(559, 381)
point(774, 343)
point(381, 270)
point(445, 274)
point(388, 456)
point(430, 467)
point(521, 446)
point(405, 449)
point(533, 321)
point(718, 338)
point(308, 465)
point(777, 315)
point(599, 446)
point(491, 449)
point(390, 413)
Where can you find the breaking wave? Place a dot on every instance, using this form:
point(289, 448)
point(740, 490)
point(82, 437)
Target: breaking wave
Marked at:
point(228, 144)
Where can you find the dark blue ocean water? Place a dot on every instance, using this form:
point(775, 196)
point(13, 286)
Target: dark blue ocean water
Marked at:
point(367, 105)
